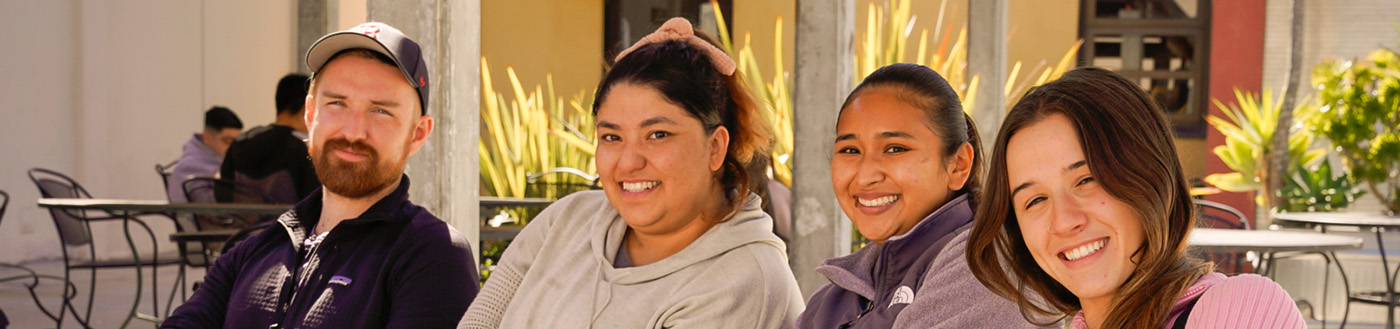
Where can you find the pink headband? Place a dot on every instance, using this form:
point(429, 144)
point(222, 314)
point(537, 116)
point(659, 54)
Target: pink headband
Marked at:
point(679, 29)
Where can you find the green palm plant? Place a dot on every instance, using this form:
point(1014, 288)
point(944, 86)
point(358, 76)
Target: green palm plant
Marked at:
point(886, 39)
point(1248, 132)
point(884, 42)
point(773, 94)
point(531, 133)
point(1317, 189)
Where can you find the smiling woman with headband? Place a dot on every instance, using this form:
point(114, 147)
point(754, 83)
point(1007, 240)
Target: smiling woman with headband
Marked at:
point(677, 238)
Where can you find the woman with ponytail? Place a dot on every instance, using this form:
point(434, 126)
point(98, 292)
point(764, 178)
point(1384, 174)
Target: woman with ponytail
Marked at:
point(677, 237)
point(905, 171)
point(1085, 216)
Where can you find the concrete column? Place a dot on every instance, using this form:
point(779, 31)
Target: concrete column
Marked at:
point(445, 171)
point(460, 125)
point(986, 58)
point(312, 19)
point(824, 71)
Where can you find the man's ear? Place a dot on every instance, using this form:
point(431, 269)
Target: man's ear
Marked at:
point(420, 133)
point(308, 110)
point(719, 147)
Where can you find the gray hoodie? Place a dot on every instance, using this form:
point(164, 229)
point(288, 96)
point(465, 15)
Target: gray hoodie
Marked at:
point(558, 273)
point(196, 160)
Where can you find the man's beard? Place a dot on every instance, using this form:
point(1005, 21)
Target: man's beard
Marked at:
point(353, 179)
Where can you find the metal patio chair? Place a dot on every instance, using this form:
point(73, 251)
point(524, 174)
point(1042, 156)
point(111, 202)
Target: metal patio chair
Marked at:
point(75, 230)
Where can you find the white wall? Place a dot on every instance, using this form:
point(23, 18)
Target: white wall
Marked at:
point(37, 116)
point(103, 91)
point(1348, 29)
point(1331, 29)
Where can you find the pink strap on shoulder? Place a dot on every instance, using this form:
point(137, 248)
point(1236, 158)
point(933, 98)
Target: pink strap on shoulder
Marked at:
point(680, 29)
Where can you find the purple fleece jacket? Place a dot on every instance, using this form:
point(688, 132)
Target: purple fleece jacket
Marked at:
point(394, 266)
point(916, 280)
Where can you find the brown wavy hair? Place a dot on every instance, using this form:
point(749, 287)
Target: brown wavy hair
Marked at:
point(685, 75)
point(1128, 145)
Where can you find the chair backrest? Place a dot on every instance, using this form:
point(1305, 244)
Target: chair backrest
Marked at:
point(165, 171)
point(207, 189)
point(201, 189)
point(4, 203)
point(278, 187)
point(51, 184)
point(1218, 215)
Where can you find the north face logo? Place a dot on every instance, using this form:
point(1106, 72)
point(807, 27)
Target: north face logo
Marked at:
point(902, 295)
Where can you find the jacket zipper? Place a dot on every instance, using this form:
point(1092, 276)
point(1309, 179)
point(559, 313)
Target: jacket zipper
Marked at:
point(870, 306)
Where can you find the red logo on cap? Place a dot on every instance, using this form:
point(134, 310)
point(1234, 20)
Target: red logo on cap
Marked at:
point(367, 29)
point(422, 82)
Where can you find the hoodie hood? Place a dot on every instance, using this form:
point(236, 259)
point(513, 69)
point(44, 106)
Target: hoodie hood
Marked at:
point(750, 225)
point(198, 158)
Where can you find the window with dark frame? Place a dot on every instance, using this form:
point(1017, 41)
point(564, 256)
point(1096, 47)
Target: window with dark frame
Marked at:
point(625, 22)
point(1163, 45)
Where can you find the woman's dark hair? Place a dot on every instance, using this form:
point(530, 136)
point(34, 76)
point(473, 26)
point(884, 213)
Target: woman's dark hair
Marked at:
point(685, 75)
point(1128, 145)
point(922, 88)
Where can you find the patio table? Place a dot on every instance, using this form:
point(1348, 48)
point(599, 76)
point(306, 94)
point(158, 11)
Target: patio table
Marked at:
point(131, 209)
point(1268, 243)
point(1377, 223)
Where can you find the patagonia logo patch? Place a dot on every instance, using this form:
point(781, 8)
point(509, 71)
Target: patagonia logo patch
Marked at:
point(902, 295)
point(340, 280)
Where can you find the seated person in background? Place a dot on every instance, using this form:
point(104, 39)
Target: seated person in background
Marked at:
point(272, 159)
point(1086, 206)
point(356, 253)
point(204, 152)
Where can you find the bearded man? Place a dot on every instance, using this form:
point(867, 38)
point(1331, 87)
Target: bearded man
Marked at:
point(356, 253)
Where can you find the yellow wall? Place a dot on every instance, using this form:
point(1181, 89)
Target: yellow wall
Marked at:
point(1040, 30)
point(757, 18)
point(536, 37)
point(1037, 30)
point(565, 38)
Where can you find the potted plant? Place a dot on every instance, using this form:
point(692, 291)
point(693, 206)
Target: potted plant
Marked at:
point(1249, 129)
point(1360, 115)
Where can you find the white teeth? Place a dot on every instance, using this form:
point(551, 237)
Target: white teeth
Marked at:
point(1084, 250)
point(639, 186)
point(876, 202)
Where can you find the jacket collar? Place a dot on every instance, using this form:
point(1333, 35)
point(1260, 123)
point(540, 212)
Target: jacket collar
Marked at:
point(304, 216)
point(946, 219)
point(856, 272)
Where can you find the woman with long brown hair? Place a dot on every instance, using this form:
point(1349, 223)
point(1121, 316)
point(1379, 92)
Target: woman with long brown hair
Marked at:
point(1085, 214)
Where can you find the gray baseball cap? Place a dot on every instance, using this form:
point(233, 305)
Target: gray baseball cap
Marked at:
point(380, 38)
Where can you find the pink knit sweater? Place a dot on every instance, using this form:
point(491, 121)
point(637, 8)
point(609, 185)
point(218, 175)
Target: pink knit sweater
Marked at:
point(1245, 301)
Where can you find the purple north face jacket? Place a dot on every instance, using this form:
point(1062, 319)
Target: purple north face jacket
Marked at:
point(394, 266)
point(916, 280)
